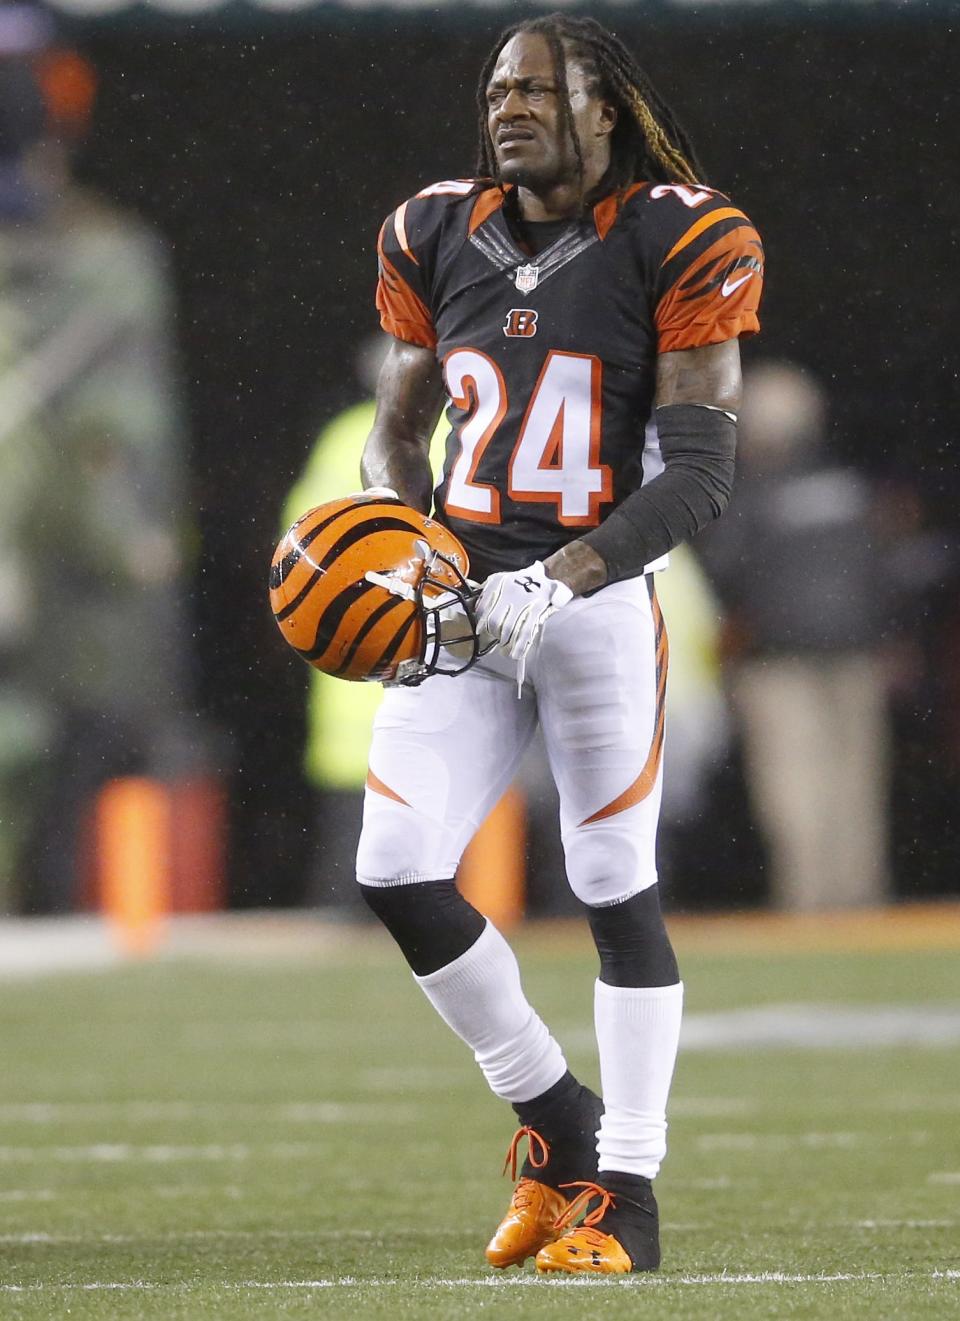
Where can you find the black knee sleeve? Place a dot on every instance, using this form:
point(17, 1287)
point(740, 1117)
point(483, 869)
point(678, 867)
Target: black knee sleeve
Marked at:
point(430, 920)
point(632, 942)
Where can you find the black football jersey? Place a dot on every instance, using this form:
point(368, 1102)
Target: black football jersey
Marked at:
point(550, 359)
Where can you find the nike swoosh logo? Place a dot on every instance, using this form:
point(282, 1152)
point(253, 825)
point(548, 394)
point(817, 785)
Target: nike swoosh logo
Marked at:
point(728, 287)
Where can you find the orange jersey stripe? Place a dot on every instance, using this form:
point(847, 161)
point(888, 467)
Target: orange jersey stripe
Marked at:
point(605, 213)
point(400, 229)
point(377, 785)
point(698, 226)
point(489, 201)
point(402, 313)
point(643, 784)
point(681, 306)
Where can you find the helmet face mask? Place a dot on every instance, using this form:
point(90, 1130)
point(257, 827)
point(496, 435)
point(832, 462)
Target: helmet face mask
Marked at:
point(369, 589)
point(450, 641)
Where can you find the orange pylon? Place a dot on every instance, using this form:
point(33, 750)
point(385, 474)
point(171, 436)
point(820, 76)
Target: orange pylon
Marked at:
point(133, 860)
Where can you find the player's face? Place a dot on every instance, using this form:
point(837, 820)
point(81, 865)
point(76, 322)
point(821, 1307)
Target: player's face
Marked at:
point(533, 145)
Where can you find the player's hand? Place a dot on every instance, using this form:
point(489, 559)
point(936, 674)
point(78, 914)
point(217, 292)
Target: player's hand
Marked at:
point(512, 608)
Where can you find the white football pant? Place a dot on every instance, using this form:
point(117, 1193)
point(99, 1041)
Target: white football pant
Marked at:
point(444, 752)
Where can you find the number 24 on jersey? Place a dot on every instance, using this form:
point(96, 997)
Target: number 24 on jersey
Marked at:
point(557, 454)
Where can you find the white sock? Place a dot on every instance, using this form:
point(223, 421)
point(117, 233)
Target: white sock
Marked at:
point(479, 995)
point(638, 1029)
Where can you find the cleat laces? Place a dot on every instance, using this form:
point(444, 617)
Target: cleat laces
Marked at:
point(594, 1239)
point(581, 1202)
point(534, 1141)
point(523, 1194)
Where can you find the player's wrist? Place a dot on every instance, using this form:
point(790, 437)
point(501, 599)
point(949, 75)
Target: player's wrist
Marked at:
point(578, 566)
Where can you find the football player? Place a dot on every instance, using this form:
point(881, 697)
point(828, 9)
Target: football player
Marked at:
point(577, 306)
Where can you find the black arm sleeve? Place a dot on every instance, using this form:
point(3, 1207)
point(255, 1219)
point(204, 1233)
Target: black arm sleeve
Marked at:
point(698, 445)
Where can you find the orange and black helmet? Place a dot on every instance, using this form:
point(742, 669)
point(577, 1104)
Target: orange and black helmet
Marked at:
point(368, 588)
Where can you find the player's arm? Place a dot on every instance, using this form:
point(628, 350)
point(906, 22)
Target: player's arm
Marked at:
point(705, 268)
point(410, 396)
point(697, 395)
point(708, 376)
point(697, 392)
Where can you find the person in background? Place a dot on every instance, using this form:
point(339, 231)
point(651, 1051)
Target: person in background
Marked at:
point(93, 633)
point(801, 569)
point(339, 715)
point(700, 725)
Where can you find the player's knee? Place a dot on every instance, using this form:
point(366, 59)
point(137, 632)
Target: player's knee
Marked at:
point(632, 942)
point(431, 921)
point(390, 851)
point(605, 866)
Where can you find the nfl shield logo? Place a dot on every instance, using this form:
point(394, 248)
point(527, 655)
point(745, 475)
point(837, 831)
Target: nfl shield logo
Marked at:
point(527, 278)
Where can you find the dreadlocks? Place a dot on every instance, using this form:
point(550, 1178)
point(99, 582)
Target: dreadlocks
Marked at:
point(647, 142)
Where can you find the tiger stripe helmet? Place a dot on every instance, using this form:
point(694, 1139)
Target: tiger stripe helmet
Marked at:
point(365, 588)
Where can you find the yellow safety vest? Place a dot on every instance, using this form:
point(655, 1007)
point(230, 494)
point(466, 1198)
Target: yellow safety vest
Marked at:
point(340, 714)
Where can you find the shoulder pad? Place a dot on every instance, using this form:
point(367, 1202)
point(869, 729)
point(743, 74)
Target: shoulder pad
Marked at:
point(449, 188)
point(415, 225)
point(672, 205)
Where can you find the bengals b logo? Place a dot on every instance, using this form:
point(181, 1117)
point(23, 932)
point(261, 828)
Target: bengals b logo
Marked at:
point(521, 321)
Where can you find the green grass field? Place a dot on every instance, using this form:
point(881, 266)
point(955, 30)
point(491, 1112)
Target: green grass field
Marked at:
point(293, 1136)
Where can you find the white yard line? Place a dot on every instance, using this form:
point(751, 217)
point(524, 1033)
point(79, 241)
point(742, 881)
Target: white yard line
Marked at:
point(778, 1141)
point(708, 1185)
point(493, 1282)
point(416, 1077)
point(294, 1112)
point(912, 1103)
point(712, 1107)
point(92, 1286)
point(897, 1224)
point(170, 1191)
point(157, 1154)
point(186, 1236)
point(245, 1235)
point(230, 1191)
point(807, 1026)
point(144, 1110)
point(944, 1176)
point(819, 1026)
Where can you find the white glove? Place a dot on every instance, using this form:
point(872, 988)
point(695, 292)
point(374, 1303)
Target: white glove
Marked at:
point(512, 608)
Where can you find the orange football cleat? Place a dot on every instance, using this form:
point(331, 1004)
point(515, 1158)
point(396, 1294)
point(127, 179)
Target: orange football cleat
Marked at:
point(584, 1249)
point(581, 1250)
point(534, 1210)
point(530, 1223)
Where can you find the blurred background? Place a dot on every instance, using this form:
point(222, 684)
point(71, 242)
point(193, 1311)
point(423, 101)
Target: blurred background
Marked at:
point(190, 195)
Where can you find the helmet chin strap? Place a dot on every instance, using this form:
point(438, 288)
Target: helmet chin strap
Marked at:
point(393, 583)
